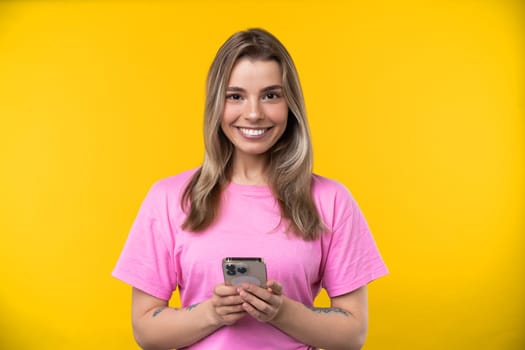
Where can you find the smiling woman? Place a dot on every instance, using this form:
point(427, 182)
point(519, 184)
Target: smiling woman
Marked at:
point(254, 196)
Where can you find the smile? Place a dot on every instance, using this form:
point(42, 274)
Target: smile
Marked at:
point(253, 132)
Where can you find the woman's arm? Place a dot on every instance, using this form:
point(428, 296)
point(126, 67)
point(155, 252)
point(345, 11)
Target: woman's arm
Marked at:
point(342, 326)
point(156, 326)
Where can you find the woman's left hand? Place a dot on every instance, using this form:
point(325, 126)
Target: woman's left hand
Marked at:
point(262, 303)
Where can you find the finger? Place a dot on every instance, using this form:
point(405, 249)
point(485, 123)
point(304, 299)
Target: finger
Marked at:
point(233, 318)
point(228, 310)
point(258, 314)
point(257, 303)
point(224, 290)
point(227, 301)
point(248, 308)
point(275, 287)
point(257, 291)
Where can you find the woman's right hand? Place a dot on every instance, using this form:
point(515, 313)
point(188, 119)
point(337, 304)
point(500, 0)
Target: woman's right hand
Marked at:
point(226, 305)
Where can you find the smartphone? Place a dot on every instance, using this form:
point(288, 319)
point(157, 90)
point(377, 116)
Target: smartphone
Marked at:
point(239, 270)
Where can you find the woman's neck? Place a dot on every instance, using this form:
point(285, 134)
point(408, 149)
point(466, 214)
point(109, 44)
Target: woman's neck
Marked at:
point(249, 170)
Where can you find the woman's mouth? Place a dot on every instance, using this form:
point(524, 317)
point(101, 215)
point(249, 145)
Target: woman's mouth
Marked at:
point(253, 132)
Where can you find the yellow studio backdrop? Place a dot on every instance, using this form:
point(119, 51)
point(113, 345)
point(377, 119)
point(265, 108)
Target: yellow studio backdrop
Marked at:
point(416, 106)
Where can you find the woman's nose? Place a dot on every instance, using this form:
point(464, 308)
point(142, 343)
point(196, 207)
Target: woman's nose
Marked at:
point(253, 111)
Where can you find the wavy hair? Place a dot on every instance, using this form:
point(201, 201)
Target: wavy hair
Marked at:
point(290, 159)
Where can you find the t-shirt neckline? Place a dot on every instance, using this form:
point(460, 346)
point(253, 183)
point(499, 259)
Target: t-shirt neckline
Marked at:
point(252, 190)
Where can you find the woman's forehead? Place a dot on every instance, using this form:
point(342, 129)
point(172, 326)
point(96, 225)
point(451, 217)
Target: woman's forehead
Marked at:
point(247, 69)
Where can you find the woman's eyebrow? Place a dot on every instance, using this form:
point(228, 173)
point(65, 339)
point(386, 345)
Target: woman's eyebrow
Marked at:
point(272, 87)
point(234, 89)
point(267, 88)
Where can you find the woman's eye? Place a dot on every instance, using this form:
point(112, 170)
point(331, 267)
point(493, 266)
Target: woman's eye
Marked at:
point(271, 96)
point(234, 97)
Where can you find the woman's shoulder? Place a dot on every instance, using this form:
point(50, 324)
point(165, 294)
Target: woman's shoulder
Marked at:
point(333, 200)
point(180, 178)
point(331, 193)
point(329, 187)
point(174, 184)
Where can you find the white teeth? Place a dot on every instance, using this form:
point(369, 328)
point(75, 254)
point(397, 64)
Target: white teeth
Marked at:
point(252, 132)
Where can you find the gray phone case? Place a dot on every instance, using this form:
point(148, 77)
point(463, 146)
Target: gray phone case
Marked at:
point(238, 270)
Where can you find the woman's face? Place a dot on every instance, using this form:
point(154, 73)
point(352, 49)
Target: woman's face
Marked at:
point(255, 112)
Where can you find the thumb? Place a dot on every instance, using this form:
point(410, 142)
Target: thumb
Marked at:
point(275, 287)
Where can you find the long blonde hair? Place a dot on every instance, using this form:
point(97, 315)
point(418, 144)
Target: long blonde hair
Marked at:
point(290, 159)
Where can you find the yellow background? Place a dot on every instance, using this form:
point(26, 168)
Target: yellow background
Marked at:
point(415, 105)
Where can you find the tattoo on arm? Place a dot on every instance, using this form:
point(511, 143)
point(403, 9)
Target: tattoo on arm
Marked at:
point(191, 307)
point(162, 308)
point(159, 310)
point(328, 310)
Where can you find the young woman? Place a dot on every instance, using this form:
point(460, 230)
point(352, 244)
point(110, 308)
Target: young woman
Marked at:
point(254, 196)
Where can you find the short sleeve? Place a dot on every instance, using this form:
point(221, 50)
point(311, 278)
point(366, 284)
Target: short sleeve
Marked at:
point(352, 258)
point(146, 261)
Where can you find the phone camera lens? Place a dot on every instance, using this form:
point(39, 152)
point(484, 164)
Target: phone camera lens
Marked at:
point(242, 270)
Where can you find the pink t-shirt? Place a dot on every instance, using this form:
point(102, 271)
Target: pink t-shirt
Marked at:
point(159, 256)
